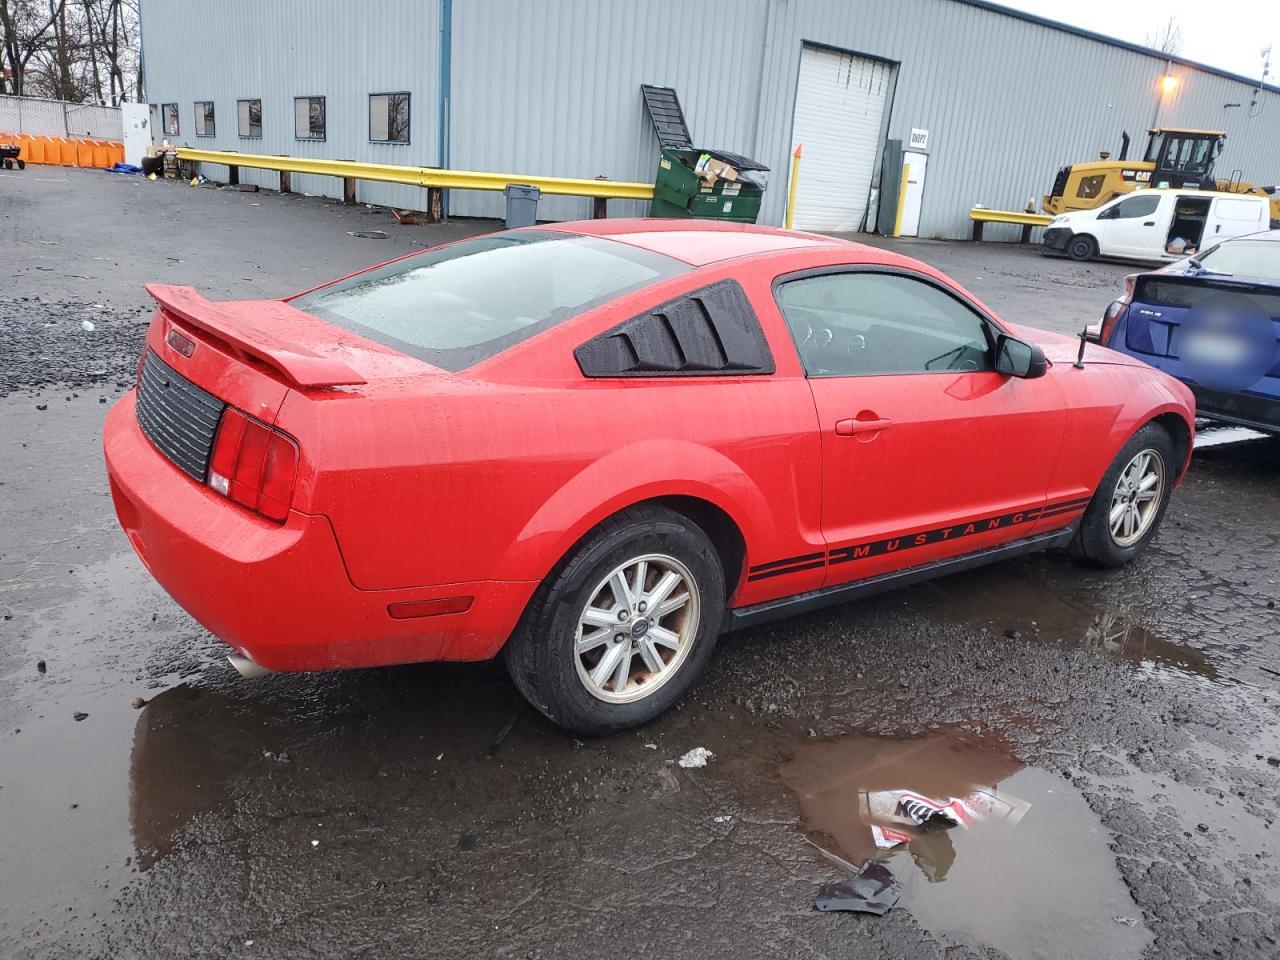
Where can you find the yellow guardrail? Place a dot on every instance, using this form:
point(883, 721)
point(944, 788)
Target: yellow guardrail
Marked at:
point(430, 177)
point(1010, 216)
point(1028, 221)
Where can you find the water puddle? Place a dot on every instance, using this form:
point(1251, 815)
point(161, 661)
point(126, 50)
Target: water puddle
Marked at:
point(1030, 611)
point(1030, 873)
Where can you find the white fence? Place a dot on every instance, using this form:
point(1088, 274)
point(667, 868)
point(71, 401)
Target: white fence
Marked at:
point(59, 118)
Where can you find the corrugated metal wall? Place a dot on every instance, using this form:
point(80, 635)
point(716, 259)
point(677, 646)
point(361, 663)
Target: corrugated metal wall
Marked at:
point(1006, 101)
point(248, 49)
point(552, 87)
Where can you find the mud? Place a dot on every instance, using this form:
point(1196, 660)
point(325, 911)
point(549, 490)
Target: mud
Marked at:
point(428, 812)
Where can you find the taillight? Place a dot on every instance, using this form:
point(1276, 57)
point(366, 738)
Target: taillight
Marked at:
point(1116, 310)
point(254, 465)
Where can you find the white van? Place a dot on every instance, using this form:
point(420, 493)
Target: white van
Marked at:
point(1156, 224)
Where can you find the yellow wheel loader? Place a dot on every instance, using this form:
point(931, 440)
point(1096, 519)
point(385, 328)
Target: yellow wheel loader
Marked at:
point(1174, 158)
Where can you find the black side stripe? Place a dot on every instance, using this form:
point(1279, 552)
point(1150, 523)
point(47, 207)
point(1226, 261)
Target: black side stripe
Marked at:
point(787, 562)
point(782, 571)
point(874, 548)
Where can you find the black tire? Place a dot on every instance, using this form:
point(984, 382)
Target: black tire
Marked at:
point(1082, 247)
point(8, 164)
point(1094, 541)
point(22, 164)
point(542, 655)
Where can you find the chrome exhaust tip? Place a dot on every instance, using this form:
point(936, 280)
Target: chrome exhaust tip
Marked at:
point(249, 669)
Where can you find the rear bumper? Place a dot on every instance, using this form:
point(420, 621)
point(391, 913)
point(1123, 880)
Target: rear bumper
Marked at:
point(1245, 409)
point(280, 594)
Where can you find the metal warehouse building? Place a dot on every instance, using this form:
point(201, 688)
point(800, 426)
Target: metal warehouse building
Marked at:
point(996, 100)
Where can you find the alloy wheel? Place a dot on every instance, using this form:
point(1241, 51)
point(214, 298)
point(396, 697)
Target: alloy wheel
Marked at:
point(637, 628)
point(1135, 503)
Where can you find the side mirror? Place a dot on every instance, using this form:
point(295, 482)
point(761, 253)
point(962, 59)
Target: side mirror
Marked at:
point(1016, 358)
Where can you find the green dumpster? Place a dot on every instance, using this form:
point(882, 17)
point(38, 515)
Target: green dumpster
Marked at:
point(679, 190)
point(693, 182)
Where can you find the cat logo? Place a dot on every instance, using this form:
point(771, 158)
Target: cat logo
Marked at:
point(1136, 176)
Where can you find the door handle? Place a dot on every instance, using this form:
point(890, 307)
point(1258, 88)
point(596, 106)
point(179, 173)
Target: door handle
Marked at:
point(848, 428)
point(1148, 223)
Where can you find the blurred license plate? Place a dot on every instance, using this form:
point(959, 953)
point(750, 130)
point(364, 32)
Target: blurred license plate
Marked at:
point(1215, 348)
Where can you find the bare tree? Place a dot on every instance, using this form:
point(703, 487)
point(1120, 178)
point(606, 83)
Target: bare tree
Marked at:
point(26, 31)
point(77, 50)
point(1167, 39)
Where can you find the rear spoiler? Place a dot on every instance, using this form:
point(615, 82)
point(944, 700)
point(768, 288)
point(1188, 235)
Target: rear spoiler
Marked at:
point(301, 366)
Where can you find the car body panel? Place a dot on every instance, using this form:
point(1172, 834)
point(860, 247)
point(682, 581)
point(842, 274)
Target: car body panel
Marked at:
point(415, 483)
point(1148, 323)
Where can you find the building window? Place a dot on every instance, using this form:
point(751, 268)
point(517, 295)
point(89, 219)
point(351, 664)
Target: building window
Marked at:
point(250, 117)
point(204, 118)
point(389, 117)
point(170, 113)
point(308, 118)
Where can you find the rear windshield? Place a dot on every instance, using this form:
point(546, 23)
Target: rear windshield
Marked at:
point(1247, 259)
point(457, 305)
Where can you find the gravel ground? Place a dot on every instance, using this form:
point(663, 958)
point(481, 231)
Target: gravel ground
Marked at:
point(428, 812)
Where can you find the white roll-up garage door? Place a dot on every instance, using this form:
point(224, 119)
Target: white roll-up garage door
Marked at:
point(840, 105)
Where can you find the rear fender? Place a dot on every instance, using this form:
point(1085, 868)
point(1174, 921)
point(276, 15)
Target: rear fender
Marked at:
point(627, 476)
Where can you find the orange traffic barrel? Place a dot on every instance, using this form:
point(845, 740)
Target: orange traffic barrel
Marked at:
point(84, 153)
point(66, 152)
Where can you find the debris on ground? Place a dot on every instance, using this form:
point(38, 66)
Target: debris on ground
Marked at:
point(697, 757)
point(280, 757)
point(87, 326)
point(41, 666)
point(668, 782)
point(79, 715)
point(874, 890)
point(369, 234)
point(1127, 921)
point(408, 218)
point(138, 703)
point(899, 816)
point(501, 737)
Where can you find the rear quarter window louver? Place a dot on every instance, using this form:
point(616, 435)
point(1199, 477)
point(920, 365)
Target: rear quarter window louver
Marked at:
point(712, 331)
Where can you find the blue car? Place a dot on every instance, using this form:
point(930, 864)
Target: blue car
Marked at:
point(1213, 321)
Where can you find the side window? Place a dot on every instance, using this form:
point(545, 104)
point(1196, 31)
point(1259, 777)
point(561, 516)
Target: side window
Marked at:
point(864, 324)
point(308, 118)
point(389, 117)
point(1130, 208)
point(710, 332)
point(170, 114)
point(249, 118)
point(204, 118)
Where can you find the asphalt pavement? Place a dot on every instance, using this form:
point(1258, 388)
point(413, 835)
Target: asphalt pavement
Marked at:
point(153, 804)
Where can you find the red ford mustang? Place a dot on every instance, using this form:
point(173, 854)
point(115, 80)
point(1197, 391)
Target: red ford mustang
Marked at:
point(594, 447)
